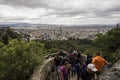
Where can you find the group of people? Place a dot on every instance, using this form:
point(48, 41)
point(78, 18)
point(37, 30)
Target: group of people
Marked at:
point(72, 63)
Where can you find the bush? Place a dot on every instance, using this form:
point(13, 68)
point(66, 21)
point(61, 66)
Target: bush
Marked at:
point(18, 59)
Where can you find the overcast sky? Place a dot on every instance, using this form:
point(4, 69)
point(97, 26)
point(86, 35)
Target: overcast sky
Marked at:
point(60, 11)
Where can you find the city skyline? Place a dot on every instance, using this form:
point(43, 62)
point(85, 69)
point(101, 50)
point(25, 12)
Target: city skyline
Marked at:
point(60, 11)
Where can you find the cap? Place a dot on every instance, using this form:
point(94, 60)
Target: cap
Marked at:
point(92, 67)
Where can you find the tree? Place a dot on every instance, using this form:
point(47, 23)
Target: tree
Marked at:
point(19, 58)
point(110, 41)
point(5, 38)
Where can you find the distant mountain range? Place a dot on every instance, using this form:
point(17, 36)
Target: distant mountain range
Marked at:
point(52, 25)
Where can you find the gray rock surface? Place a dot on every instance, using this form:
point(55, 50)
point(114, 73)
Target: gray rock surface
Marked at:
point(112, 73)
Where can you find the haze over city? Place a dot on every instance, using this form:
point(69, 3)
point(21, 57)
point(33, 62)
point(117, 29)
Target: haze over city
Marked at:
point(60, 11)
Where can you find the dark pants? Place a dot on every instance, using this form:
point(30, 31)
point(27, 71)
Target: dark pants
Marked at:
point(58, 74)
point(65, 79)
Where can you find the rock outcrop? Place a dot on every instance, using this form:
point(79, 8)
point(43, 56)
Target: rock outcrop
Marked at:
point(112, 73)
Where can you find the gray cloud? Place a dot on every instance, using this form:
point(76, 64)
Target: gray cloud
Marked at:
point(28, 3)
point(15, 19)
point(77, 9)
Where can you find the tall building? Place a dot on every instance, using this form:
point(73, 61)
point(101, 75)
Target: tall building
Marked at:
point(118, 25)
point(60, 29)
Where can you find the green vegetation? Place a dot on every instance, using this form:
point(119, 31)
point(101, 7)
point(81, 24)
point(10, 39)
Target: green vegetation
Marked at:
point(7, 34)
point(109, 43)
point(19, 58)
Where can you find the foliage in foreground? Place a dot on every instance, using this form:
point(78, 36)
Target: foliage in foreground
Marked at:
point(18, 59)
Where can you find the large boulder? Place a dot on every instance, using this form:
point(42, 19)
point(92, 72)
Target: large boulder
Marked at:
point(112, 73)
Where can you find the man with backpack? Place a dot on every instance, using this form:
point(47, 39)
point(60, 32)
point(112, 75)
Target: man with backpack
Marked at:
point(89, 72)
point(99, 63)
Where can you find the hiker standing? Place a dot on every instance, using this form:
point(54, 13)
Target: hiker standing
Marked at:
point(64, 71)
point(99, 63)
point(89, 72)
point(79, 67)
point(57, 61)
point(89, 59)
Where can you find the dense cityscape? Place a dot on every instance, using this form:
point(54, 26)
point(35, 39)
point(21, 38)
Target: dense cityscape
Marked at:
point(60, 32)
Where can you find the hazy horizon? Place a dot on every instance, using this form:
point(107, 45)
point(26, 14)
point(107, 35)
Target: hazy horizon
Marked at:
point(60, 23)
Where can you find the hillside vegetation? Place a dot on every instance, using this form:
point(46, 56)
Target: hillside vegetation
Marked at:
point(19, 58)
